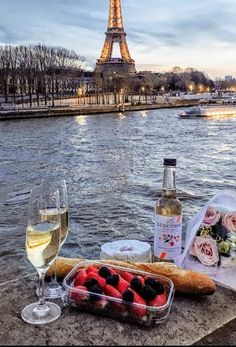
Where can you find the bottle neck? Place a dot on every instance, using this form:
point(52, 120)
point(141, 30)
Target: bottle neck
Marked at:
point(169, 187)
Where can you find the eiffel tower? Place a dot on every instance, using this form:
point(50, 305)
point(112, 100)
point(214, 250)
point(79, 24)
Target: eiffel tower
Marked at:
point(115, 34)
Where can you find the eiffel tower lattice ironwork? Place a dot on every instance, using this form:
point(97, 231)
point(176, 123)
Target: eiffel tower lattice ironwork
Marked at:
point(116, 34)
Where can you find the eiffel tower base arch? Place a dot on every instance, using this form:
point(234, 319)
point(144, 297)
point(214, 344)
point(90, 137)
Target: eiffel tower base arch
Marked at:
point(114, 69)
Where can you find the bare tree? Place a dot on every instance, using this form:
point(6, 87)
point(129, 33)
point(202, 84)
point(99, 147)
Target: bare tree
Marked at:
point(38, 71)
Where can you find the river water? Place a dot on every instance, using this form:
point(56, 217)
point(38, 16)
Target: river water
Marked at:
point(113, 167)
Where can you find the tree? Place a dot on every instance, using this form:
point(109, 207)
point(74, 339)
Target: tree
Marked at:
point(38, 71)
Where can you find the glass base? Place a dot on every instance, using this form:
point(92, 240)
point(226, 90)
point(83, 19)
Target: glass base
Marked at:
point(51, 291)
point(41, 314)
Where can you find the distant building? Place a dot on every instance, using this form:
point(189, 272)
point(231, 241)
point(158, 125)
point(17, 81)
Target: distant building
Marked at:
point(229, 78)
point(86, 82)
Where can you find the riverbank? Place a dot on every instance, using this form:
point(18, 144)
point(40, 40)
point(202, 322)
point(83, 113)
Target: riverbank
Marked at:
point(57, 111)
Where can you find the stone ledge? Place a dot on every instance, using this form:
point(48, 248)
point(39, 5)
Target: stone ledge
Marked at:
point(191, 320)
point(225, 335)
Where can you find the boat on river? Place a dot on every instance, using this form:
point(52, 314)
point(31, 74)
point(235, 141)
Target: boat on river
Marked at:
point(209, 111)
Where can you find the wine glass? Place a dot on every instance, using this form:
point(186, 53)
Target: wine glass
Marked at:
point(53, 288)
point(43, 237)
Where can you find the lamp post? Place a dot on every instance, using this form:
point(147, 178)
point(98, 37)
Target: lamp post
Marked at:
point(143, 90)
point(79, 93)
point(200, 88)
point(162, 90)
point(191, 87)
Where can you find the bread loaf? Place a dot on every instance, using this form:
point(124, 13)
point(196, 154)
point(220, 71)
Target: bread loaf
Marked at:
point(185, 281)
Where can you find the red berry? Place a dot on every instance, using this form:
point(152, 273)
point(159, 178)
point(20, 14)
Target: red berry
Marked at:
point(141, 279)
point(112, 271)
point(80, 278)
point(80, 296)
point(160, 300)
point(127, 276)
point(138, 310)
point(122, 285)
point(92, 269)
point(113, 292)
point(101, 281)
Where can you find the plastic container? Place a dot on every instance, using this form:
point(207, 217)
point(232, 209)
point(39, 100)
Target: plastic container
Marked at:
point(114, 307)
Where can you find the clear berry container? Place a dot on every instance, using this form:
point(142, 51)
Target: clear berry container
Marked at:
point(107, 305)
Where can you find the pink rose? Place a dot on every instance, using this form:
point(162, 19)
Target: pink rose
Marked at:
point(205, 249)
point(229, 222)
point(212, 216)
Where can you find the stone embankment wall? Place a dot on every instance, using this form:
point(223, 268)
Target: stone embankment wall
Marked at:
point(35, 112)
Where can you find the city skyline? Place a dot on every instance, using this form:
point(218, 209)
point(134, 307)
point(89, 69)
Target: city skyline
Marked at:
point(160, 35)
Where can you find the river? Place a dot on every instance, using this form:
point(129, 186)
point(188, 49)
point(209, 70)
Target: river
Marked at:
point(113, 167)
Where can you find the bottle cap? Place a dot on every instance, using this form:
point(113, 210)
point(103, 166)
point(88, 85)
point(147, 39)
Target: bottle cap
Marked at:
point(170, 162)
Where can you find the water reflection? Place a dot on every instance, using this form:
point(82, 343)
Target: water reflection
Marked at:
point(81, 120)
point(122, 115)
point(144, 113)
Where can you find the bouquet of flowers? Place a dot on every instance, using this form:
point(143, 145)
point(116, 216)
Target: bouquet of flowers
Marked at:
point(215, 240)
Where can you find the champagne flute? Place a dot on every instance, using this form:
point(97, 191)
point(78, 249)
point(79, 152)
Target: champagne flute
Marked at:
point(53, 288)
point(42, 246)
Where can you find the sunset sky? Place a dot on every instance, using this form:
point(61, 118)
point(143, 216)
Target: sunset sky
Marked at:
point(160, 33)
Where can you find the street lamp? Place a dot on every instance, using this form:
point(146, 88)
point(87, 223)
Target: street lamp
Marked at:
point(200, 88)
point(79, 93)
point(191, 87)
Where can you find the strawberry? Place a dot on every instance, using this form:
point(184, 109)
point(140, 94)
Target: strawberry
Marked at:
point(127, 276)
point(92, 269)
point(160, 300)
point(101, 281)
point(122, 285)
point(78, 297)
point(138, 310)
point(113, 292)
point(112, 271)
point(141, 279)
point(80, 278)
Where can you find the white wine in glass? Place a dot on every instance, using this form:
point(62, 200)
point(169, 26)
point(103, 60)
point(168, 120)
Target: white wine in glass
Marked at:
point(53, 288)
point(42, 246)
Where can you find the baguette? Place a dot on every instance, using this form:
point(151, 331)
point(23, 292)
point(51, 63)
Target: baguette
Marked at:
point(185, 281)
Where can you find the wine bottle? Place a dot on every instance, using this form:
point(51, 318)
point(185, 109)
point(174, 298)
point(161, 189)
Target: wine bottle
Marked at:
point(168, 218)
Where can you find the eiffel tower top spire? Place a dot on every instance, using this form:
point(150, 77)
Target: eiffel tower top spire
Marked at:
point(115, 14)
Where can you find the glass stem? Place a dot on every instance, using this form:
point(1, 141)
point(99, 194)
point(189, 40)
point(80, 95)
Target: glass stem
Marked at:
point(41, 288)
point(54, 274)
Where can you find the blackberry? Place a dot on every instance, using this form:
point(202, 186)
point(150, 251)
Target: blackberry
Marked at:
point(128, 296)
point(136, 284)
point(104, 272)
point(91, 283)
point(157, 286)
point(95, 290)
point(148, 293)
point(113, 280)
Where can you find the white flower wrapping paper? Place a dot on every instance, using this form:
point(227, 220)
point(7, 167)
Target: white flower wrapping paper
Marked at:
point(225, 276)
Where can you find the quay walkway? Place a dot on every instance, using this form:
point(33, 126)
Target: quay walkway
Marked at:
point(192, 321)
point(35, 112)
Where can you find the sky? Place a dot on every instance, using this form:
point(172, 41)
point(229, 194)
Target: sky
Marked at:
point(161, 34)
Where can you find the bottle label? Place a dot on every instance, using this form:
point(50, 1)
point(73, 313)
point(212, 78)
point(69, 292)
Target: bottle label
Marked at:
point(167, 237)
